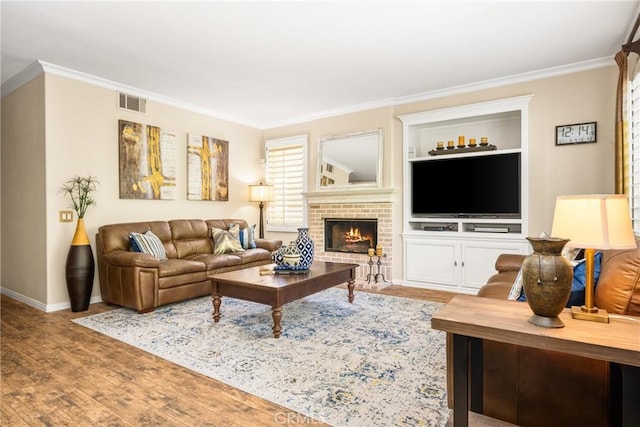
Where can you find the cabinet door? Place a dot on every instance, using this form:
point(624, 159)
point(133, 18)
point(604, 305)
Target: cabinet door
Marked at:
point(431, 261)
point(478, 260)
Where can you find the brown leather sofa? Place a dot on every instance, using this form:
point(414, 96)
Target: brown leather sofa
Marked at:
point(531, 387)
point(143, 282)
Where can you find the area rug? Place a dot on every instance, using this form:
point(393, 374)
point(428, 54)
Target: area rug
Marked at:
point(375, 362)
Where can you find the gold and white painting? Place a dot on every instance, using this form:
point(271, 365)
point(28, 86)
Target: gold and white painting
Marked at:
point(207, 168)
point(147, 161)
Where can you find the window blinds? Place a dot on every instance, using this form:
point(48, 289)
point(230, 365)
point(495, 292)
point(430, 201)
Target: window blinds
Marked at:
point(285, 163)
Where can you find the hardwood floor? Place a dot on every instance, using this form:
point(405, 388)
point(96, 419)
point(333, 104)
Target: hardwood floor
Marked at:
point(57, 373)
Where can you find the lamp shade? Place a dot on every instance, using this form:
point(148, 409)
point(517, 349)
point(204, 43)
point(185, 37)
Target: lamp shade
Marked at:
point(260, 193)
point(596, 221)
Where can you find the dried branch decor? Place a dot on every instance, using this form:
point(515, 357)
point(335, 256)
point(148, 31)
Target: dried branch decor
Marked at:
point(79, 189)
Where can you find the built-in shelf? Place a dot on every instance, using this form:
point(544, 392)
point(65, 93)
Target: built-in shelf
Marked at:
point(458, 253)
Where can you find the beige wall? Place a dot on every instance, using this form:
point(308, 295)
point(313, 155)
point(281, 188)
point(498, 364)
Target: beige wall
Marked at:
point(81, 138)
point(572, 98)
point(24, 251)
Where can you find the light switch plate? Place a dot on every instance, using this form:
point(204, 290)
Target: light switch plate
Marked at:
point(66, 216)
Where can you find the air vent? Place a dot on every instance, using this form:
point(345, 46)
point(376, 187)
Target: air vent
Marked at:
point(133, 103)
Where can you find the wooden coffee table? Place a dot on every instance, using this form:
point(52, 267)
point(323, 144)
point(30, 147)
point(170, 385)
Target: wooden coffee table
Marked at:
point(279, 289)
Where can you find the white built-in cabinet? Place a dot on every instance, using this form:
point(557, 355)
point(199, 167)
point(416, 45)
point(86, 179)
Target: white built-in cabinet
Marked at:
point(458, 254)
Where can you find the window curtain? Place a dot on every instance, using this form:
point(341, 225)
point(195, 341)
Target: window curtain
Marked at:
point(634, 141)
point(622, 135)
point(622, 184)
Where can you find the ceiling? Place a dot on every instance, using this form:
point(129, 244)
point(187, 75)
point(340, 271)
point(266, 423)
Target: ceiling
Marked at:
point(267, 63)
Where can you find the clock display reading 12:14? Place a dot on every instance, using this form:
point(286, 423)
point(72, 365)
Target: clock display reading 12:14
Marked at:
point(576, 134)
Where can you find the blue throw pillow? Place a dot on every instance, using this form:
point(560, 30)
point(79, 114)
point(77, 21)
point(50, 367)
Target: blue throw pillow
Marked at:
point(578, 285)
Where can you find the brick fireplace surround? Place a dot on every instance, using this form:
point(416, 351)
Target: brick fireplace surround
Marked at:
point(382, 211)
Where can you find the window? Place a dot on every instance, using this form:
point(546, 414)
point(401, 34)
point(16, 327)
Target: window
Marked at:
point(286, 161)
point(634, 152)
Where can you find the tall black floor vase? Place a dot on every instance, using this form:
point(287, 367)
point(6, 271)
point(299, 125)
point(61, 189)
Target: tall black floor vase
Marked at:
point(80, 270)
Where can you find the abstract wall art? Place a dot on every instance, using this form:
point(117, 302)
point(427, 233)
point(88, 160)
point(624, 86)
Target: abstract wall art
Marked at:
point(147, 161)
point(207, 168)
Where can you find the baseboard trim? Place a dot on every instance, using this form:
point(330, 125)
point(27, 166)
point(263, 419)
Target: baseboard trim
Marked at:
point(47, 308)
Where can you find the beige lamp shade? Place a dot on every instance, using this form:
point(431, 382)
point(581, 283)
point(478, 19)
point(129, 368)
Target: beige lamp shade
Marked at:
point(596, 221)
point(260, 193)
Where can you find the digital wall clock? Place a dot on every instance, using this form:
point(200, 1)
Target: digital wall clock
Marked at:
point(580, 133)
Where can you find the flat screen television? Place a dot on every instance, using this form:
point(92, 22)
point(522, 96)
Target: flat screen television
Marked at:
point(485, 186)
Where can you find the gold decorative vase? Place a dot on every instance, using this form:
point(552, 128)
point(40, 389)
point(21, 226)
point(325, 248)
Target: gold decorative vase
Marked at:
point(546, 278)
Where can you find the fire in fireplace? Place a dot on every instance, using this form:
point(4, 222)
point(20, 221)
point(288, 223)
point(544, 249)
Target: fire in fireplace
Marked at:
point(350, 235)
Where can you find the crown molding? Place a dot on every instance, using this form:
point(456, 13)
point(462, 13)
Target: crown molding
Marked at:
point(455, 90)
point(29, 73)
point(388, 102)
point(38, 67)
point(509, 80)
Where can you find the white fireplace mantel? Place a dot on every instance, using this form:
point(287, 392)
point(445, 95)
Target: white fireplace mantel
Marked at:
point(373, 195)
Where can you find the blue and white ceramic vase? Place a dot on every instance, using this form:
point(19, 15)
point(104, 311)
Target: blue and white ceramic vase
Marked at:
point(305, 247)
point(277, 256)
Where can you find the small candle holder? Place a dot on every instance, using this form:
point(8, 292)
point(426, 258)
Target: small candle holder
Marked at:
point(378, 262)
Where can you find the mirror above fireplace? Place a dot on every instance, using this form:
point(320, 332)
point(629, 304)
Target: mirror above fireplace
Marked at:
point(351, 160)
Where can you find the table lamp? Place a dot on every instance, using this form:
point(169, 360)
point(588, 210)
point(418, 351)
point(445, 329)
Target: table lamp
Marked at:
point(261, 193)
point(593, 222)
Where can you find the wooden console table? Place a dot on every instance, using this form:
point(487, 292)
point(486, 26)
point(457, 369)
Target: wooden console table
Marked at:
point(472, 319)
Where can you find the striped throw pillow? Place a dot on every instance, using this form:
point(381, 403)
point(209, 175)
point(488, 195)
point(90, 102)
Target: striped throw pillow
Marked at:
point(248, 237)
point(148, 243)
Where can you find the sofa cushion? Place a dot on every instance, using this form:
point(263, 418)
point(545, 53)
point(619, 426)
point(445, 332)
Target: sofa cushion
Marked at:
point(148, 243)
point(497, 290)
point(618, 289)
point(177, 267)
point(191, 236)
point(225, 241)
point(115, 237)
point(224, 224)
point(253, 255)
point(215, 262)
point(509, 262)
